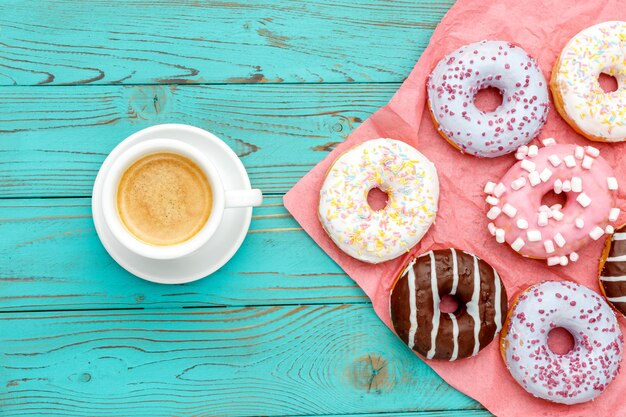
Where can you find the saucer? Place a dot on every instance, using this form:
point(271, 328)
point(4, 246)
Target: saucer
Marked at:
point(223, 244)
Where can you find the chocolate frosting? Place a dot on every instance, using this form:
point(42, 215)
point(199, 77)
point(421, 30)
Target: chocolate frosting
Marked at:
point(481, 297)
point(613, 274)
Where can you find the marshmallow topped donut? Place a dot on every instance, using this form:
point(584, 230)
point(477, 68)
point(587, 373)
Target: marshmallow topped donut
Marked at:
point(452, 87)
point(411, 183)
point(613, 269)
point(585, 371)
point(578, 96)
point(415, 304)
point(554, 233)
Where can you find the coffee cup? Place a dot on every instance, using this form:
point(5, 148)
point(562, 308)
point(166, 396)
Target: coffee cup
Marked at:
point(164, 199)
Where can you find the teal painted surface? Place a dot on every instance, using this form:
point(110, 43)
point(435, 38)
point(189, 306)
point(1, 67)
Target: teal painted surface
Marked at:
point(280, 330)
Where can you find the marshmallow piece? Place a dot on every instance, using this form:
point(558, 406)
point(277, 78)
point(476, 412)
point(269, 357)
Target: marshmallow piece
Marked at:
point(489, 187)
point(591, 151)
point(554, 260)
point(554, 160)
point(577, 184)
point(548, 141)
point(518, 244)
point(493, 213)
point(609, 230)
point(492, 229)
point(579, 152)
point(523, 150)
point(612, 183)
point(548, 246)
point(614, 214)
point(545, 208)
point(492, 200)
point(533, 235)
point(587, 162)
point(509, 210)
point(573, 256)
point(500, 235)
point(542, 218)
point(545, 174)
point(519, 156)
point(522, 224)
point(557, 215)
point(557, 207)
point(596, 233)
point(580, 223)
point(583, 199)
point(558, 186)
point(559, 240)
point(499, 190)
point(518, 183)
point(533, 150)
point(567, 186)
point(534, 178)
point(528, 165)
point(564, 261)
point(570, 162)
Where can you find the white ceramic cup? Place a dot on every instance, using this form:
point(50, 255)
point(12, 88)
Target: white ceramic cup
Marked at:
point(222, 199)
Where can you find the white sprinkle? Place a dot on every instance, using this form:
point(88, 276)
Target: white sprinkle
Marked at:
point(580, 223)
point(564, 261)
point(492, 229)
point(577, 184)
point(573, 256)
point(528, 165)
point(583, 199)
point(500, 235)
point(522, 224)
point(534, 178)
point(567, 186)
point(545, 208)
point(554, 260)
point(519, 156)
point(614, 214)
point(492, 200)
point(533, 235)
point(545, 174)
point(557, 215)
point(579, 153)
point(612, 182)
point(518, 183)
point(548, 246)
point(509, 210)
point(542, 218)
point(489, 187)
point(609, 230)
point(499, 190)
point(533, 150)
point(554, 160)
point(570, 162)
point(558, 186)
point(596, 233)
point(559, 240)
point(518, 244)
point(493, 213)
point(587, 162)
point(556, 207)
point(548, 142)
point(591, 151)
point(523, 150)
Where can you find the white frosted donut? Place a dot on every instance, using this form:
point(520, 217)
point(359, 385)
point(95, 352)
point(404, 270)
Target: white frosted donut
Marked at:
point(574, 377)
point(411, 183)
point(597, 49)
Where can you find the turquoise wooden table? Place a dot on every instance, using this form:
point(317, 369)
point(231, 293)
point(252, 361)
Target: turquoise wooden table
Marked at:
point(280, 330)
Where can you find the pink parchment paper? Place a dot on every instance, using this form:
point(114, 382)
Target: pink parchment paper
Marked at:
point(542, 28)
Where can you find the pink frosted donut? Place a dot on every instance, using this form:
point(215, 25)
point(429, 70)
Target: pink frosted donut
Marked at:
point(553, 233)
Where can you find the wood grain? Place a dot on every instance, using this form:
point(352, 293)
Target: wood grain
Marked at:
point(297, 360)
point(173, 41)
point(53, 140)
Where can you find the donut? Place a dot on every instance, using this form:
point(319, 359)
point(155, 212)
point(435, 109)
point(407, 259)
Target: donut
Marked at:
point(415, 301)
point(613, 269)
point(412, 186)
point(555, 233)
point(588, 368)
point(577, 94)
point(452, 87)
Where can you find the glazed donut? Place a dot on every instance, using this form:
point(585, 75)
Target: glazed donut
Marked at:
point(613, 269)
point(574, 377)
point(452, 87)
point(416, 296)
point(553, 233)
point(411, 183)
point(577, 94)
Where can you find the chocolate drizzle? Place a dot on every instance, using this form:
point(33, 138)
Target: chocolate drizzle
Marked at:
point(613, 274)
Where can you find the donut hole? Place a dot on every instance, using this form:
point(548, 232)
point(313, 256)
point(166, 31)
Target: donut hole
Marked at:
point(608, 83)
point(449, 304)
point(488, 99)
point(551, 198)
point(377, 199)
point(560, 341)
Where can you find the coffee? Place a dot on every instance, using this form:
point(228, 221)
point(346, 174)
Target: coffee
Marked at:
point(164, 199)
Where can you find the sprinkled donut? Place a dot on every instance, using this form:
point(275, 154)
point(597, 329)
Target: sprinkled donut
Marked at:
point(579, 375)
point(554, 233)
point(415, 300)
point(577, 94)
point(411, 183)
point(613, 269)
point(452, 87)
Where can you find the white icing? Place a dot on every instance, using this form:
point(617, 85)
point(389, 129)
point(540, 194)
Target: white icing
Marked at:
point(455, 337)
point(472, 306)
point(436, 312)
point(412, 304)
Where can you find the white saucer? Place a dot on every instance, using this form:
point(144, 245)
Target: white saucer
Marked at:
point(226, 240)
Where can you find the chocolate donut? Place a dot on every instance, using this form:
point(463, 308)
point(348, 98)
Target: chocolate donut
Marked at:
point(613, 270)
point(416, 296)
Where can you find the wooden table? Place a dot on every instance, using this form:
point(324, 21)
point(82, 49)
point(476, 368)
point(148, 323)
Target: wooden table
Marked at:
point(280, 330)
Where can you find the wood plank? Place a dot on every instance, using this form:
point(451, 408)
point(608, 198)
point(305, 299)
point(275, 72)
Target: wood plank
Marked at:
point(296, 360)
point(53, 140)
point(173, 41)
point(53, 260)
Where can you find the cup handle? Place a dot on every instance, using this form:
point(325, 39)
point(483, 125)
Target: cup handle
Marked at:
point(243, 198)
